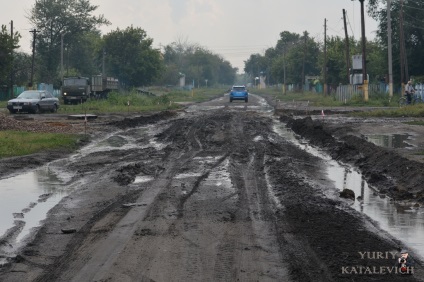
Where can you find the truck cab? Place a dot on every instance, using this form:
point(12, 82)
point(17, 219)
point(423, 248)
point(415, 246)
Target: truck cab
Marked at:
point(75, 90)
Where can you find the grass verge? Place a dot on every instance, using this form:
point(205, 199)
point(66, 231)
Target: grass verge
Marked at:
point(134, 102)
point(321, 100)
point(20, 143)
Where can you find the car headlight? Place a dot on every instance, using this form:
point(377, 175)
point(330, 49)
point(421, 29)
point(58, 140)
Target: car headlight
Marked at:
point(9, 103)
point(64, 94)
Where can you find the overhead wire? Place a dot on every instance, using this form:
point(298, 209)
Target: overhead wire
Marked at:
point(348, 20)
point(421, 9)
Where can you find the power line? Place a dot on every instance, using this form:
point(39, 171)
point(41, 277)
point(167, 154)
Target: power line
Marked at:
point(338, 32)
point(412, 17)
point(348, 20)
point(421, 9)
point(410, 25)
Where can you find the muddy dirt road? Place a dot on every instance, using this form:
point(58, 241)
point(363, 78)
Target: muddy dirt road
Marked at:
point(212, 193)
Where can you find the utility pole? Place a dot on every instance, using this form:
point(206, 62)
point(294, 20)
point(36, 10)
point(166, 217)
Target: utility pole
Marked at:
point(347, 47)
point(364, 54)
point(103, 63)
point(325, 56)
point(389, 47)
point(402, 48)
point(13, 65)
point(284, 69)
point(61, 57)
point(34, 32)
point(305, 35)
point(405, 56)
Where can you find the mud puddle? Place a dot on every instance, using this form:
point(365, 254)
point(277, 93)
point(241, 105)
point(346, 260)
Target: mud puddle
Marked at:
point(25, 201)
point(27, 198)
point(216, 104)
point(404, 222)
point(136, 138)
point(390, 140)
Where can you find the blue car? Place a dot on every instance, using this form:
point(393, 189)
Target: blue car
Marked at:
point(239, 93)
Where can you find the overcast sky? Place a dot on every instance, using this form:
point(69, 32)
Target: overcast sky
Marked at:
point(232, 28)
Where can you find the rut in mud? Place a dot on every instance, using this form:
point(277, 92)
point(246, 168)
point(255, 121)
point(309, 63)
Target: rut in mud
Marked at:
point(221, 197)
point(392, 174)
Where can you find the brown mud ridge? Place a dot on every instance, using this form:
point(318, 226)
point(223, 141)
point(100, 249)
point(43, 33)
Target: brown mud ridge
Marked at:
point(392, 174)
point(228, 199)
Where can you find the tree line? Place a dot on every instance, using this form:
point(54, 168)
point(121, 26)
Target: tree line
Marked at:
point(68, 42)
point(67, 34)
point(296, 56)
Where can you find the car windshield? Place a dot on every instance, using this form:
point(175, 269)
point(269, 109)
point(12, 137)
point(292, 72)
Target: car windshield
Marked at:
point(29, 95)
point(75, 81)
point(239, 88)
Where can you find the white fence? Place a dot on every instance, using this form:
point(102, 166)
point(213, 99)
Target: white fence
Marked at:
point(419, 90)
point(347, 92)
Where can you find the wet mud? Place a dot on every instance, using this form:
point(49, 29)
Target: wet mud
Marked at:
point(224, 198)
point(392, 174)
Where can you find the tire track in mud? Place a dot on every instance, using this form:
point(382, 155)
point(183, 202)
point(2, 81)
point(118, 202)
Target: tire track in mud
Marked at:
point(106, 252)
point(116, 241)
point(228, 203)
point(233, 247)
point(262, 255)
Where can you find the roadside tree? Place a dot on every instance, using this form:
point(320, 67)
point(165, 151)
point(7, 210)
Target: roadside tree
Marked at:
point(131, 57)
point(7, 45)
point(197, 63)
point(413, 14)
point(68, 18)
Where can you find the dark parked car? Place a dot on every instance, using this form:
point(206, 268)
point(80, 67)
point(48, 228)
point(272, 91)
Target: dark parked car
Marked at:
point(33, 101)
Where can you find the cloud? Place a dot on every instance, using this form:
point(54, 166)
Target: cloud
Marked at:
point(178, 10)
point(233, 28)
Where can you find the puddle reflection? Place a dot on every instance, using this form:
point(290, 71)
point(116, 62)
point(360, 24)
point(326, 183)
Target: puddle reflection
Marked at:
point(405, 223)
point(390, 140)
point(28, 197)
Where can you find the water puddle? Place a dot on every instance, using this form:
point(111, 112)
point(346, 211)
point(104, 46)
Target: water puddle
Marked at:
point(390, 140)
point(406, 223)
point(24, 202)
point(196, 108)
point(236, 105)
point(141, 138)
point(207, 160)
point(217, 185)
point(143, 179)
point(187, 175)
point(114, 141)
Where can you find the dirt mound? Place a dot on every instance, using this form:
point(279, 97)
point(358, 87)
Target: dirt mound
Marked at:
point(27, 123)
point(387, 171)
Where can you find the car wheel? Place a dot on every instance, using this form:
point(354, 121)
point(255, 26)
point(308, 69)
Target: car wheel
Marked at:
point(54, 110)
point(246, 100)
point(231, 100)
point(12, 111)
point(37, 109)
